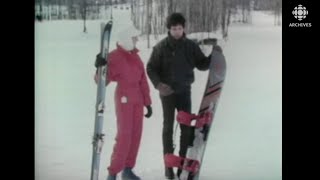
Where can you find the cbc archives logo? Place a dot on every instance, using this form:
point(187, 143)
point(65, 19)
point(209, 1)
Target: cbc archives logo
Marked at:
point(300, 13)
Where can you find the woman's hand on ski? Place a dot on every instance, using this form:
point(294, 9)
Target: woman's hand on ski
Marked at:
point(100, 61)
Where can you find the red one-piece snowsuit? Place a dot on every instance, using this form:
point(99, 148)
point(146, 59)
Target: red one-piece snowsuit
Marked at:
point(131, 95)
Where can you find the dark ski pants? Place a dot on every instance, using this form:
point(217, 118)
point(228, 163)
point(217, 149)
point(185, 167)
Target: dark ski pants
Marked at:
point(180, 101)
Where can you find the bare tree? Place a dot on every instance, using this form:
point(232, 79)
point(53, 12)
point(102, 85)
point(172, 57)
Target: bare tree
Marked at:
point(201, 15)
point(83, 11)
point(144, 16)
point(170, 6)
point(149, 18)
point(245, 7)
point(155, 29)
point(223, 19)
point(132, 12)
point(162, 17)
point(59, 3)
point(41, 12)
point(111, 9)
point(277, 12)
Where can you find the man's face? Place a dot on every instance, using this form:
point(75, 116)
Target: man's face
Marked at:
point(176, 31)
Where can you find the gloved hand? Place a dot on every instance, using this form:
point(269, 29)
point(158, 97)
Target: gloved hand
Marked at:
point(149, 113)
point(100, 61)
point(164, 89)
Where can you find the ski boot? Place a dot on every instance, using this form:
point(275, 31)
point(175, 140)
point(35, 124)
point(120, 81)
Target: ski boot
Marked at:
point(127, 174)
point(110, 177)
point(169, 174)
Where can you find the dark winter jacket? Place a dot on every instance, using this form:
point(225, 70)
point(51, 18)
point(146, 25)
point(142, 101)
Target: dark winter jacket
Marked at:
point(172, 62)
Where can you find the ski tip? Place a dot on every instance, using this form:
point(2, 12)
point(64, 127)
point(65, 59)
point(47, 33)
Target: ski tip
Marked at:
point(108, 25)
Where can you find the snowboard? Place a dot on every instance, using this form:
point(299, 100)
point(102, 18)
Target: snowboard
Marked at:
point(202, 121)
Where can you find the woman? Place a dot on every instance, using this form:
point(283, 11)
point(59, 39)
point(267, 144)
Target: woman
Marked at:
point(132, 94)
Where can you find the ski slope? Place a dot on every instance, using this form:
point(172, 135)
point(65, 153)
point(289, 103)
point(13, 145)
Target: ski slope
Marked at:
point(245, 140)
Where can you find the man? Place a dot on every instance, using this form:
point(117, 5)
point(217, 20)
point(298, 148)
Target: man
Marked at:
point(170, 68)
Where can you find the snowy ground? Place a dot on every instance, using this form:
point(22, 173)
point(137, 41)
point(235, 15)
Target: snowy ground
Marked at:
point(245, 142)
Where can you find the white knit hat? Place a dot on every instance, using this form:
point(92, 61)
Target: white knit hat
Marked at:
point(125, 37)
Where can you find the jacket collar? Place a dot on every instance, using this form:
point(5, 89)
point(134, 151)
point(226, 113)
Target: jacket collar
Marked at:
point(134, 51)
point(175, 42)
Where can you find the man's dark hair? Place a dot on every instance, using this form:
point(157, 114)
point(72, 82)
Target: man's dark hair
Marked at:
point(175, 19)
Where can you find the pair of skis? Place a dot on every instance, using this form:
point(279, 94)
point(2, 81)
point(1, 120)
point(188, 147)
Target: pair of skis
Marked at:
point(101, 90)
